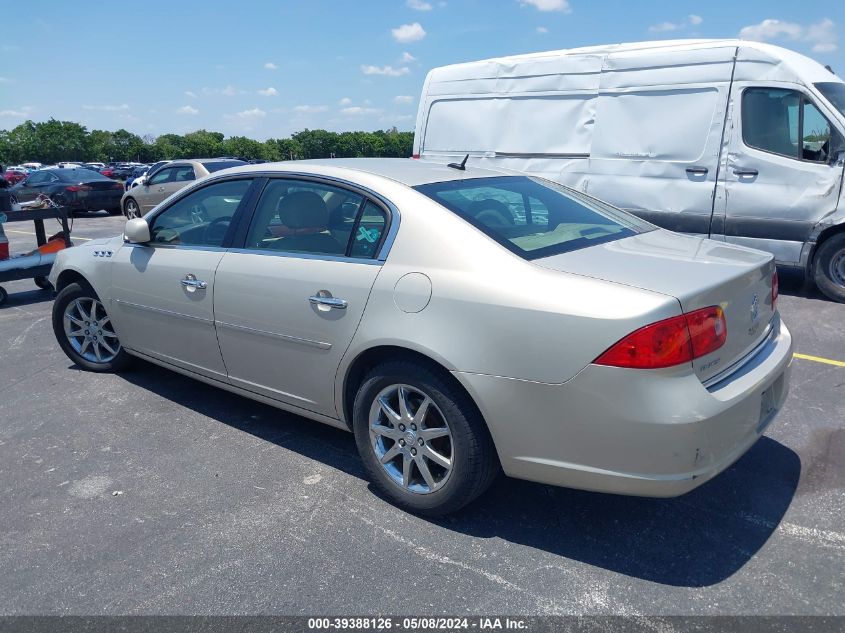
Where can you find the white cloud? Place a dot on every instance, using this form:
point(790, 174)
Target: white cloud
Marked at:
point(268, 92)
point(408, 33)
point(695, 20)
point(407, 58)
point(228, 91)
point(123, 107)
point(345, 101)
point(310, 109)
point(548, 5)
point(192, 95)
point(186, 109)
point(270, 66)
point(4, 80)
point(390, 71)
point(822, 35)
point(15, 114)
point(418, 5)
point(358, 110)
point(542, 30)
point(247, 115)
point(403, 99)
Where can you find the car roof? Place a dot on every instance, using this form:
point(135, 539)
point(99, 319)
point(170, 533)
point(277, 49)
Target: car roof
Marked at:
point(403, 170)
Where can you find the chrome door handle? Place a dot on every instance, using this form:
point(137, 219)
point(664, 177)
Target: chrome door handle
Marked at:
point(697, 171)
point(191, 281)
point(746, 172)
point(330, 302)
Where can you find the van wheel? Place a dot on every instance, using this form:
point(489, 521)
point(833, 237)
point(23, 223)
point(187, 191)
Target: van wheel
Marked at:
point(829, 268)
point(422, 441)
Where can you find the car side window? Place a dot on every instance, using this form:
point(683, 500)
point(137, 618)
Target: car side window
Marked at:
point(203, 217)
point(184, 174)
point(304, 217)
point(369, 231)
point(163, 176)
point(36, 178)
point(786, 123)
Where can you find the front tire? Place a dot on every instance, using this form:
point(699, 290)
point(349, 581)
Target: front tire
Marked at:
point(84, 331)
point(421, 438)
point(829, 268)
point(131, 209)
point(43, 283)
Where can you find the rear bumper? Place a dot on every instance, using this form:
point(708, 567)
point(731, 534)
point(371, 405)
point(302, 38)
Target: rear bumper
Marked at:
point(96, 201)
point(636, 432)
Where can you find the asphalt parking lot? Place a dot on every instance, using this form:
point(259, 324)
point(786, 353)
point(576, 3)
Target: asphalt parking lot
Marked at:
point(148, 492)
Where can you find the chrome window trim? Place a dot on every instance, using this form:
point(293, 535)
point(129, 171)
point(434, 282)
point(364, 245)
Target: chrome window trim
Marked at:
point(316, 256)
point(184, 247)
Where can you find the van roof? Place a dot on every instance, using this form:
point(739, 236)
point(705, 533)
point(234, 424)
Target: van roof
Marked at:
point(792, 65)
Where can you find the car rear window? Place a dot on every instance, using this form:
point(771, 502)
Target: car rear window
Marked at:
point(534, 218)
point(80, 173)
point(222, 164)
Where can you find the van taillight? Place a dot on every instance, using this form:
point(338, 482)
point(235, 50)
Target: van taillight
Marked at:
point(670, 342)
point(416, 156)
point(775, 290)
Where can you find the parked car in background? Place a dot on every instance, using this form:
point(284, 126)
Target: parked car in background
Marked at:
point(32, 165)
point(168, 180)
point(458, 321)
point(756, 158)
point(79, 189)
point(136, 173)
point(15, 174)
point(147, 174)
point(95, 166)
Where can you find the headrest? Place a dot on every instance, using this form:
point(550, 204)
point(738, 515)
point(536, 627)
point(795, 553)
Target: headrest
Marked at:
point(303, 209)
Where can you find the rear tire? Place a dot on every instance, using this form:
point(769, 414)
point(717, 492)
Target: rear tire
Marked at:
point(4, 296)
point(430, 463)
point(829, 268)
point(84, 332)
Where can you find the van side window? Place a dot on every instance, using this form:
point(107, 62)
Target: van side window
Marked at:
point(785, 122)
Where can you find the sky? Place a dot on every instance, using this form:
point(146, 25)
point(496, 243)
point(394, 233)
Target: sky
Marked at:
point(267, 69)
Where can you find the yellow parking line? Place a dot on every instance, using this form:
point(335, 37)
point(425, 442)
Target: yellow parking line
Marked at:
point(819, 359)
point(73, 237)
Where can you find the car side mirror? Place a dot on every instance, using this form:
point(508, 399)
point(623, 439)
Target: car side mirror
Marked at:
point(136, 231)
point(837, 158)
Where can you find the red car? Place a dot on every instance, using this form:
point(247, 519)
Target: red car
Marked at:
point(14, 176)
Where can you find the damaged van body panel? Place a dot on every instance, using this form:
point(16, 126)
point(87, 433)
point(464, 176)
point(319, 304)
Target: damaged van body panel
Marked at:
point(727, 139)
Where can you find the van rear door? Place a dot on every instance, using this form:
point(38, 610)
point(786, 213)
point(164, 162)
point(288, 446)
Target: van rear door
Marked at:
point(658, 133)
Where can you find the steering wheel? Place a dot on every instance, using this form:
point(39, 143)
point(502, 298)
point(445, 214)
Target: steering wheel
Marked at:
point(208, 235)
point(199, 214)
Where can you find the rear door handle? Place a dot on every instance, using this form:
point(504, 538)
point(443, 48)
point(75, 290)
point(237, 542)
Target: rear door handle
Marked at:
point(191, 281)
point(746, 172)
point(697, 171)
point(330, 302)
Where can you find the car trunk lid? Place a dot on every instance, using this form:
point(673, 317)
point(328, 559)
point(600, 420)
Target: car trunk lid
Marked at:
point(699, 273)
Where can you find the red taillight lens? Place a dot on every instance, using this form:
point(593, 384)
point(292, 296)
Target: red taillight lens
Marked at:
point(708, 330)
point(75, 188)
point(416, 156)
point(775, 290)
point(117, 185)
point(670, 342)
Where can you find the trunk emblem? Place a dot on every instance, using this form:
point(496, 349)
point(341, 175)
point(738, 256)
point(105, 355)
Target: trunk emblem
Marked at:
point(755, 309)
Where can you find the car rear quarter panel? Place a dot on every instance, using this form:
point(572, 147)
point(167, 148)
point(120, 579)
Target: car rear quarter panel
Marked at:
point(491, 312)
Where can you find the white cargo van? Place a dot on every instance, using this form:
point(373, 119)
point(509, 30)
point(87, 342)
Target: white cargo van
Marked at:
point(736, 140)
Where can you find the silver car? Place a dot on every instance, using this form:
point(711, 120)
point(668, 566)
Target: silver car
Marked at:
point(460, 321)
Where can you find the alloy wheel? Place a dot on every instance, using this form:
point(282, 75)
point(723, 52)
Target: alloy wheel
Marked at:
point(132, 210)
point(411, 439)
point(89, 330)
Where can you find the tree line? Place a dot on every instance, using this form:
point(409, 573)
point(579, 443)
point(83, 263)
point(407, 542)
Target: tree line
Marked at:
point(53, 141)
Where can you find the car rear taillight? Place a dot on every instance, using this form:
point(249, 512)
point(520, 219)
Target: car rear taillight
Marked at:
point(775, 290)
point(416, 156)
point(75, 188)
point(670, 342)
point(117, 185)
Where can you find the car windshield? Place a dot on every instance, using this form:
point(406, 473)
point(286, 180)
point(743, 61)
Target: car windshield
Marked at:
point(222, 164)
point(834, 92)
point(531, 217)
